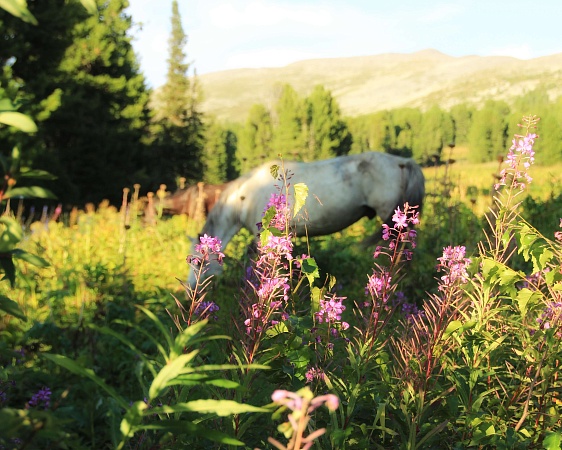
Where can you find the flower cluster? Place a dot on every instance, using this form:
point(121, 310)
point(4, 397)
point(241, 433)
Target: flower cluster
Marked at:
point(379, 285)
point(558, 234)
point(275, 247)
point(454, 264)
point(551, 318)
point(519, 158)
point(205, 309)
point(208, 248)
point(301, 403)
point(43, 396)
point(401, 232)
point(331, 309)
point(314, 373)
point(282, 212)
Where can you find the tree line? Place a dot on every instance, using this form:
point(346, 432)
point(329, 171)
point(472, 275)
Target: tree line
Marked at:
point(100, 128)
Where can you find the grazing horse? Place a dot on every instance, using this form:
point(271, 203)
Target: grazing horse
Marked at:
point(195, 201)
point(341, 191)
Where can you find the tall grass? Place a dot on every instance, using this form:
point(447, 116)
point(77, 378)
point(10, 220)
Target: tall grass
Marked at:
point(447, 335)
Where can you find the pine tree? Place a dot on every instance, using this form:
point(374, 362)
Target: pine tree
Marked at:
point(462, 119)
point(81, 73)
point(288, 133)
point(255, 145)
point(325, 131)
point(436, 132)
point(407, 125)
point(220, 154)
point(488, 133)
point(179, 128)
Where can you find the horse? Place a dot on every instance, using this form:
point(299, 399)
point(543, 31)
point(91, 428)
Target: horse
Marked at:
point(195, 201)
point(342, 190)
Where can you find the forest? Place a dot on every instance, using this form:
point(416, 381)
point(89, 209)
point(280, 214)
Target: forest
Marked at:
point(445, 335)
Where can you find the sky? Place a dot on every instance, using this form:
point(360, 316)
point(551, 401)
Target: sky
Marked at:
point(224, 35)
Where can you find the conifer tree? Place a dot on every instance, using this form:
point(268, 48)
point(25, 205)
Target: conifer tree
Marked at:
point(179, 127)
point(219, 158)
point(326, 133)
point(407, 124)
point(462, 119)
point(255, 145)
point(288, 137)
point(436, 132)
point(89, 97)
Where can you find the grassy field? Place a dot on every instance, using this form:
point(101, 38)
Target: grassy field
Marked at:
point(104, 330)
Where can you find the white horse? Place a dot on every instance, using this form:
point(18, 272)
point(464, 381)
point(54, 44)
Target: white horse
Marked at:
point(340, 192)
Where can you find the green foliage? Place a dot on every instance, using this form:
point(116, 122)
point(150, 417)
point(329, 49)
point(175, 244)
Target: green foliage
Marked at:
point(79, 70)
point(178, 129)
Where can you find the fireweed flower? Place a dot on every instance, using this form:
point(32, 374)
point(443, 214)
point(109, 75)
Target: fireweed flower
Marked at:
point(275, 247)
point(282, 212)
point(43, 396)
point(205, 309)
point(551, 318)
point(454, 264)
point(331, 309)
point(558, 234)
point(379, 284)
point(519, 158)
point(207, 248)
point(314, 373)
point(402, 232)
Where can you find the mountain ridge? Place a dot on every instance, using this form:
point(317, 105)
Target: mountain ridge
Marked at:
point(367, 84)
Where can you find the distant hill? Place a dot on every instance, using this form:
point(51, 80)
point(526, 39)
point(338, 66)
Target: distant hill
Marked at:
point(368, 84)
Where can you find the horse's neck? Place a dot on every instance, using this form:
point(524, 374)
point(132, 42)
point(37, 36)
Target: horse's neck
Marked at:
point(222, 223)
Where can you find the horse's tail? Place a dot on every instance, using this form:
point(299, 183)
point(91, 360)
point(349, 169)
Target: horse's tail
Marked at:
point(414, 189)
point(412, 192)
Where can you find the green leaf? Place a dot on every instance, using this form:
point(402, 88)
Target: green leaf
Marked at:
point(133, 417)
point(274, 170)
point(30, 192)
point(179, 427)
point(11, 234)
point(90, 6)
point(451, 328)
point(77, 369)
point(8, 267)
point(552, 440)
point(301, 193)
point(9, 306)
point(310, 269)
point(18, 120)
point(6, 104)
point(268, 217)
point(509, 276)
point(19, 9)
point(524, 296)
point(29, 258)
point(36, 174)
point(221, 408)
point(169, 372)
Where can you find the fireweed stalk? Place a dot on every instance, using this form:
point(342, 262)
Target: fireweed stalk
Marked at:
point(377, 310)
point(209, 249)
point(512, 183)
point(301, 404)
point(264, 304)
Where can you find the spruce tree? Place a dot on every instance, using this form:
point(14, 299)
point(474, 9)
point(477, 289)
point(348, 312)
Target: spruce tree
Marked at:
point(255, 145)
point(288, 133)
point(326, 134)
point(81, 74)
point(179, 128)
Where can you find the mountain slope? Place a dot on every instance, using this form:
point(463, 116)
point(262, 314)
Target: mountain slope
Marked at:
point(368, 84)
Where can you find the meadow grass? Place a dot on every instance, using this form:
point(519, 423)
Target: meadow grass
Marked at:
point(457, 348)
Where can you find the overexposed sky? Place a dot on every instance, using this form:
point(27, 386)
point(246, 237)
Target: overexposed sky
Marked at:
point(235, 34)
